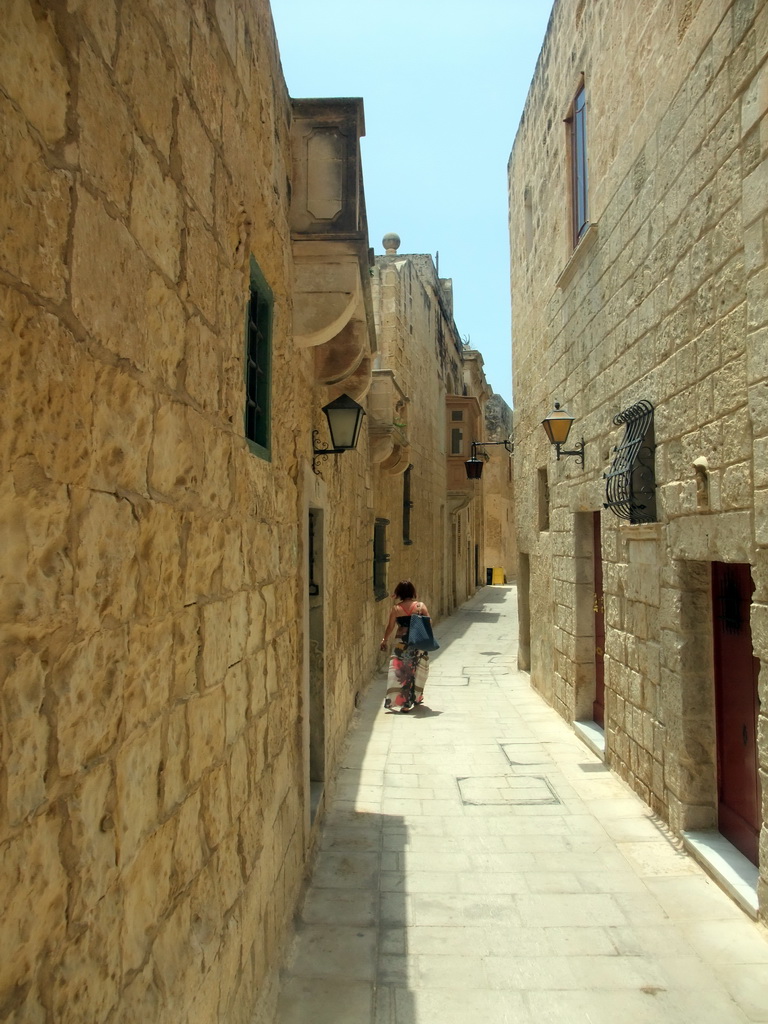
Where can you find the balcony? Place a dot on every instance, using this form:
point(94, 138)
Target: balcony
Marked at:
point(329, 234)
point(388, 423)
point(462, 428)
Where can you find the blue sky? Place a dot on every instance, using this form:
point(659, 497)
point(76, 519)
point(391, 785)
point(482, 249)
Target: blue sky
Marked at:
point(444, 84)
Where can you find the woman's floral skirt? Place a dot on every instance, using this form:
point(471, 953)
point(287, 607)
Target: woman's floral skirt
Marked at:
point(408, 671)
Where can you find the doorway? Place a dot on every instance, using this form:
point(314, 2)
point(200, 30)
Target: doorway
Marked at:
point(454, 562)
point(524, 611)
point(316, 662)
point(598, 610)
point(736, 707)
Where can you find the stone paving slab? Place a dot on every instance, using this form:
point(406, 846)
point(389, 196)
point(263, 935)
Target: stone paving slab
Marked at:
point(478, 862)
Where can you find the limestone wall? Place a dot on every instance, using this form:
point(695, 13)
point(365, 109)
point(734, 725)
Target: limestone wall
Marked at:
point(498, 486)
point(664, 299)
point(440, 541)
point(419, 344)
point(153, 790)
point(351, 615)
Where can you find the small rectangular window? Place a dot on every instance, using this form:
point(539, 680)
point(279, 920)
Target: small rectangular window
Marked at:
point(315, 544)
point(528, 215)
point(380, 559)
point(543, 501)
point(578, 121)
point(457, 441)
point(457, 414)
point(258, 360)
point(407, 506)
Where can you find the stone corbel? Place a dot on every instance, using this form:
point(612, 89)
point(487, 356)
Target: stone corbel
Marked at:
point(326, 297)
point(398, 461)
point(340, 357)
point(387, 428)
point(356, 385)
point(381, 443)
point(458, 501)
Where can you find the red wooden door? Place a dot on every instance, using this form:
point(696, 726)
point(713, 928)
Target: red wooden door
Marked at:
point(736, 671)
point(598, 706)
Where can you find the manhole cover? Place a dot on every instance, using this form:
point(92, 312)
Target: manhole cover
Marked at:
point(526, 754)
point(509, 790)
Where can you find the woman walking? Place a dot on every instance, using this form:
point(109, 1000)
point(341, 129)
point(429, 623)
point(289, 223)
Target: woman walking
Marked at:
point(408, 666)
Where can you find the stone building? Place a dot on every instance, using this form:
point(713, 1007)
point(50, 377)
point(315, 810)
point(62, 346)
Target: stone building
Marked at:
point(185, 285)
point(639, 205)
point(172, 325)
point(426, 406)
point(499, 483)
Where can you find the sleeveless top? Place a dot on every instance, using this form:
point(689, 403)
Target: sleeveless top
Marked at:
point(403, 621)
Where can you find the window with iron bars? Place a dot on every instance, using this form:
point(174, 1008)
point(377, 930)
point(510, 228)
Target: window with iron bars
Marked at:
point(630, 483)
point(380, 559)
point(258, 364)
point(407, 506)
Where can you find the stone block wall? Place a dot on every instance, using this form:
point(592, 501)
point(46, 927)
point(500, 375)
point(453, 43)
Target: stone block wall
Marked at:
point(421, 360)
point(498, 486)
point(153, 787)
point(662, 299)
point(417, 340)
point(352, 628)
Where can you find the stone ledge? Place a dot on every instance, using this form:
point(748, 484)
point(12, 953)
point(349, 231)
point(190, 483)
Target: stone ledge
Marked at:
point(594, 737)
point(585, 244)
point(641, 531)
point(729, 868)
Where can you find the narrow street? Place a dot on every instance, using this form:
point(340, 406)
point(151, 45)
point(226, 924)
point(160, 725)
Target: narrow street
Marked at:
point(479, 864)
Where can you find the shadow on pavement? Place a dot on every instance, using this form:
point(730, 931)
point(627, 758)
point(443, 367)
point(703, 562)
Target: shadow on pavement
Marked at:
point(348, 963)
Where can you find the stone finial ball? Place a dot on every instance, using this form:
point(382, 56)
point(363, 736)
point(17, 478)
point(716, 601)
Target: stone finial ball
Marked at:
point(391, 243)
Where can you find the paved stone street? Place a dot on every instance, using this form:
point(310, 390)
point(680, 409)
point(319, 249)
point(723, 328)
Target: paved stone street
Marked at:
point(479, 863)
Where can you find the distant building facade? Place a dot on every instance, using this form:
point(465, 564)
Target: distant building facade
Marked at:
point(499, 486)
point(426, 406)
point(639, 266)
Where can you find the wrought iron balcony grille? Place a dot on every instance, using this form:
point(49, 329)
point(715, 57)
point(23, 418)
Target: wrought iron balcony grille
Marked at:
point(630, 488)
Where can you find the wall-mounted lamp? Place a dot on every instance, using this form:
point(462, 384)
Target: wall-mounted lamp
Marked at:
point(474, 466)
point(558, 426)
point(345, 417)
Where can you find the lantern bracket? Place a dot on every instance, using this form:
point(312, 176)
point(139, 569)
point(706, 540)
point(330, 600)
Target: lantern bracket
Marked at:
point(474, 466)
point(321, 450)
